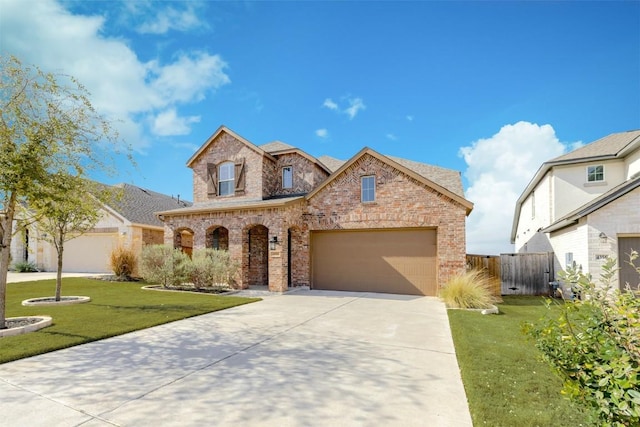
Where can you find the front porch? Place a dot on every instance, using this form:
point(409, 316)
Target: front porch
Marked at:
point(272, 252)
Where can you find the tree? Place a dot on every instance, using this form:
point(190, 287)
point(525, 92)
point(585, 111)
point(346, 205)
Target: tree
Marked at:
point(73, 210)
point(48, 128)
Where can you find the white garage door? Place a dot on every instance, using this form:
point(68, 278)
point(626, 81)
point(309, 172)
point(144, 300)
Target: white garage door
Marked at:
point(89, 253)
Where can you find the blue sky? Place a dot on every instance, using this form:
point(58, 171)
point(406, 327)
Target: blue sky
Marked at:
point(491, 89)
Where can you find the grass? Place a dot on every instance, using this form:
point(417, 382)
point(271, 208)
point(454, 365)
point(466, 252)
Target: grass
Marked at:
point(115, 308)
point(505, 382)
point(471, 289)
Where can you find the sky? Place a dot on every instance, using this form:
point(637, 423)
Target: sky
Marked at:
point(490, 89)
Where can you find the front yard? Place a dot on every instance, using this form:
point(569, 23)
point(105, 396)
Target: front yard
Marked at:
point(505, 382)
point(115, 308)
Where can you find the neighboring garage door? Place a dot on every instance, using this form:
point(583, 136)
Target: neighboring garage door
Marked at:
point(391, 261)
point(627, 273)
point(89, 253)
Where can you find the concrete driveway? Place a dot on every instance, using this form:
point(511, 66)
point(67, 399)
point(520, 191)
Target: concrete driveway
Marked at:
point(305, 358)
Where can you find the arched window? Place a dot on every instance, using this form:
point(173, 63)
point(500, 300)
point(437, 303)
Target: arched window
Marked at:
point(226, 179)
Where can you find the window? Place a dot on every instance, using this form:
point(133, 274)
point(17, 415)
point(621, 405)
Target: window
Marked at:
point(287, 177)
point(368, 189)
point(226, 180)
point(595, 173)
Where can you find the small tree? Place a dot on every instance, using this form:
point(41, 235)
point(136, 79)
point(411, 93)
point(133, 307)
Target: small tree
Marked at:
point(47, 127)
point(70, 212)
point(164, 265)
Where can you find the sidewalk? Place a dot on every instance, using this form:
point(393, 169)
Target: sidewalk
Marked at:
point(13, 277)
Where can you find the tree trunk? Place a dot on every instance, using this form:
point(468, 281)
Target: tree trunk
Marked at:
point(60, 249)
point(5, 252)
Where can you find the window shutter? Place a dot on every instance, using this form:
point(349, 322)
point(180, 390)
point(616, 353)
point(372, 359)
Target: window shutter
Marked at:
point(212, 179)
point(239, 176)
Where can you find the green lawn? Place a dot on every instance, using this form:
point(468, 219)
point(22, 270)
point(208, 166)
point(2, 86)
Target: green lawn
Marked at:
point(505, 382)
point(115, 308)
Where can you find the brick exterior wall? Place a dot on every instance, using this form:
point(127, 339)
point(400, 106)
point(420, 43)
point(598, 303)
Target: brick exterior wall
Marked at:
point(401, 202)
point(227, 148)
point(306, 174)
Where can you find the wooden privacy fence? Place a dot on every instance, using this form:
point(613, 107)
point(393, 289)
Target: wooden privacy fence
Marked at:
point(516, 274)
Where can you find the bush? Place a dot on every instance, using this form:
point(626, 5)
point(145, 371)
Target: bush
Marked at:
point(123, 262)
point(595, 346)
point(471, 289)
point(212, 268)
point(25, 267)
point(164, 265)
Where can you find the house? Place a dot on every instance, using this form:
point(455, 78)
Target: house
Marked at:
point(371, 223)
point(585, 206)
point(129, 221)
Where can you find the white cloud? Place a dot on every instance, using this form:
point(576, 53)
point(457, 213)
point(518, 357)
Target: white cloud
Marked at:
point(322, 133)
point(169, 18)
point(167, 123)
point(328, 103)
point(355, 105)
point(391, 136)
point(122, 87)
point(498, 170)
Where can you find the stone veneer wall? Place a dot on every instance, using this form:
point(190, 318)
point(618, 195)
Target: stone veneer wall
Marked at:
point(227, 148)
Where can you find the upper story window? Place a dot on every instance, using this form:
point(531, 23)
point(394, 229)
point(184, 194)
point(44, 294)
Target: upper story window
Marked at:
point(595, 173)
point(368, 189)
point(226, 179)
point(287, 177)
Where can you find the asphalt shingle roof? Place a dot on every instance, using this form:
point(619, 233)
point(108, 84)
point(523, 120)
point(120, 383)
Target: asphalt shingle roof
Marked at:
point(139, 205)
point(272, 147)
point(610, 145)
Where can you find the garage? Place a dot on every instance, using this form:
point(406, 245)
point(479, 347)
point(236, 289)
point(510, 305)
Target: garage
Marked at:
point(399, 261)
point(89, 253)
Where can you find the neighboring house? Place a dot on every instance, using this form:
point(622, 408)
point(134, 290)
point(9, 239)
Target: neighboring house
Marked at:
point(129, 221)
point(585, 206)
point(372, 223)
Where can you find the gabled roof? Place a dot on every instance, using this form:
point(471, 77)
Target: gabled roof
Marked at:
point(138, 205)
point(331, 163)
point(613, 146)
point(595, 204)
point(428, 181)
point(224, 129)
point(278, 148)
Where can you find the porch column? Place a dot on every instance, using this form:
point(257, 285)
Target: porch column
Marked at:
point(278, 261)
point(236, 244)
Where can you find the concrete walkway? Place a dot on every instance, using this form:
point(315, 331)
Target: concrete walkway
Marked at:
point(13, 277)
point(305, 358)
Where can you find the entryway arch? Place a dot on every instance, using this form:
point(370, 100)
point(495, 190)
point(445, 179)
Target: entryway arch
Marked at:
point(255, 255)
point(217, 237)
point(183, 240)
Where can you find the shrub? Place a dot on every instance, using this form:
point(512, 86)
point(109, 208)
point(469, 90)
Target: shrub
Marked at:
point(595, 346)
point(212, 268)
point(164, 265)
point(471, 289)
point(25, 267)
point(123, 262)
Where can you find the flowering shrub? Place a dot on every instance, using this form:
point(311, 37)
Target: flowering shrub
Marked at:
point(595, 346)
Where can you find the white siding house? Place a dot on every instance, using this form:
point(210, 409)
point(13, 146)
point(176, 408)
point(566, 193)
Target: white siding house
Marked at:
point(131, 222)
point(585, 206)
